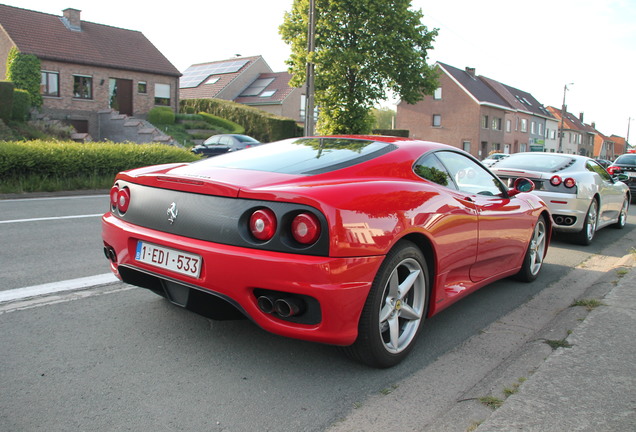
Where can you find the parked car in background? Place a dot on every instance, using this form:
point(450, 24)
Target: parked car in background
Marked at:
point(223, 143)
point(604, 162)
point(582, 196)
point(351, 241)
point(626, 164)
point(493, 158)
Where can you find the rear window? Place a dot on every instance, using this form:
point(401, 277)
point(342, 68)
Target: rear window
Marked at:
point(536, 162)
point(302, 155)
point(626, 159)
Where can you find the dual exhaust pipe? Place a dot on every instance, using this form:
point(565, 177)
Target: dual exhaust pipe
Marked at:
point(564, 220)
point(285, 307)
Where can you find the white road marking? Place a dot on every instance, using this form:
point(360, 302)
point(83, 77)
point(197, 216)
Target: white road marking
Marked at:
point(51, 218)
point(56, 287)
point(72, 197)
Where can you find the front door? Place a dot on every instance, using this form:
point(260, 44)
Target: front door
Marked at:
point(120, 91)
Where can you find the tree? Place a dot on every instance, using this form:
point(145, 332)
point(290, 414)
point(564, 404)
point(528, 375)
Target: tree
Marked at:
point(363, 50)
point(383, 118)
point(24, 71)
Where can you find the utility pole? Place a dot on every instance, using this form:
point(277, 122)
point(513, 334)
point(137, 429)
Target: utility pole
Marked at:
point(629, 122)
point(309, 84)
point(565, 89)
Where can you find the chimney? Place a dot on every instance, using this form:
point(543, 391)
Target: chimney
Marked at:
point(581, 117)
point(470, 71)
point(72, 19)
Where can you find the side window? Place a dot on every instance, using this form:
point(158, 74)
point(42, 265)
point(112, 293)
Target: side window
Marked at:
point(598, 169)
point(430, 168)
point(469, 176)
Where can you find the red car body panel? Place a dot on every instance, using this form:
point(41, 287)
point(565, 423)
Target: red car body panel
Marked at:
point(369, 207)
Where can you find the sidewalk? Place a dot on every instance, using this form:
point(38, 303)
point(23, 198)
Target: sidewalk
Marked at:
point(588, 387)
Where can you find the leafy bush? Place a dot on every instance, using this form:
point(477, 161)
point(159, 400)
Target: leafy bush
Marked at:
point(24, 70)
point(36, 165)
point(222, 124)
point(161, 115)
point(21, 104)
point(259, 124)
point(6, 99)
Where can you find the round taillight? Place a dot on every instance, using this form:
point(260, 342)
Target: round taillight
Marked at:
point(305, 228)
point(263, 224)
point(123, 199)
point(569, 182)
point(555, 180)
point(114, 192)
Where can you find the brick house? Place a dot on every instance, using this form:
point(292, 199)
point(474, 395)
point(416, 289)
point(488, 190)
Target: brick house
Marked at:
point(87, 68)
point(245, 80)
point(577, 137)
point(477, 114)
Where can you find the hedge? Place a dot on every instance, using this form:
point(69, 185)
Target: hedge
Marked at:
point(259, 124)
point(61, 159)
point(21, 104)
point(6, 100)
point(220, 123)
point(161, 115)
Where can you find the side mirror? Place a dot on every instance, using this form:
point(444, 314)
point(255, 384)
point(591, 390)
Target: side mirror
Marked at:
point(521, 185)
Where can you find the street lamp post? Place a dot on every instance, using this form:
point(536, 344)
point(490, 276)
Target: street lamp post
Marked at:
point(309, 84)
point(565, 89)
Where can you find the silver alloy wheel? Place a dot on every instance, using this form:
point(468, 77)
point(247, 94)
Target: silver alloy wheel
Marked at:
point(402, 309)
point(591, 220)
point(622, 217)
point(537, 247)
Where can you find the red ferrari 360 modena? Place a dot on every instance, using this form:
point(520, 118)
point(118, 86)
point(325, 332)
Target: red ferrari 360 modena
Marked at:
point(345, 240)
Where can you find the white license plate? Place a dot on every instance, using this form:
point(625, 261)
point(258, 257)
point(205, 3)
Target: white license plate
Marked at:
point(170, 259)
point(631, 174)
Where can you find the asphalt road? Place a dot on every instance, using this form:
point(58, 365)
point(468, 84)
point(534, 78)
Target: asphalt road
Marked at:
point(117, 358)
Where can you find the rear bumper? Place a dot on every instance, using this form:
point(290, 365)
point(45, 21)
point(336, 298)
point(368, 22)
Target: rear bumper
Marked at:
point(565, 207)
point(339, 285)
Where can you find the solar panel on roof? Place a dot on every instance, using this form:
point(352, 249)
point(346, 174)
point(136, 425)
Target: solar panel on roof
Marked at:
point(194, 75)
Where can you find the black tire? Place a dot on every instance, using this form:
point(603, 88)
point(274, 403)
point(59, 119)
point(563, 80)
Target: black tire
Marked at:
point(535, 254)
point(586, 234)
point(622, 217)
point(394, 310)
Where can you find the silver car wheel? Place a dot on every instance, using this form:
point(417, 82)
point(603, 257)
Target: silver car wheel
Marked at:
point(622, 216)
point(591, 221)
point(537, 247)
point(403, 303)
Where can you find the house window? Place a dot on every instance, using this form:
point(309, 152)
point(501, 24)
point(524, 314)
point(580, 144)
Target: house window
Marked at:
point(508, 125)
point(540, 126)
point(437, 120)
point(303, 106)
point(524, 125)
point(82, 87)
point(484, 122)
point(50, 84)
point(438, 93)
point(142, 87)
point(496, 124)
point(466, 146)
point(533, 127)
point(162, 94)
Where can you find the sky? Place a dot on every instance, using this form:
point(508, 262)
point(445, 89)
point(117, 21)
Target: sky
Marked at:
point(539, 46)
